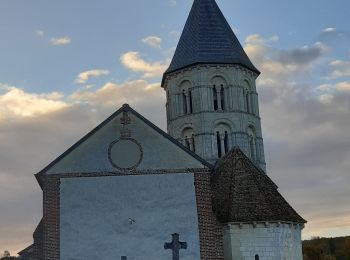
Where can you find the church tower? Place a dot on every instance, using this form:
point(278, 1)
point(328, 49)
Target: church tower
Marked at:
point(212, 101)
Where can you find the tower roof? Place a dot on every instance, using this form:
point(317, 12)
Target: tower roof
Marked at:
point(243, 193)
point(208, 38)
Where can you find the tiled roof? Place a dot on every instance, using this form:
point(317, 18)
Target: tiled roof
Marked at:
point(208, 38)
point(244, 193)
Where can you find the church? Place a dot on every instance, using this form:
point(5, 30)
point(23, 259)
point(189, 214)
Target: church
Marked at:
point(128, 190)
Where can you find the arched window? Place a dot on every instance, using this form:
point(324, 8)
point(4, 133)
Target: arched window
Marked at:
point(247, 97)
point(222, 95)
point(215, 98)
point(184, 102)
point(186, 97)
point(218, 143)
point(256, 257)
point(247, 100)
point(219, 84)
point(191, 101)
point(252, 147)
point(226, 142)
point(188, 139)
point(252, 143)
point(187, 142)
point(222, 139)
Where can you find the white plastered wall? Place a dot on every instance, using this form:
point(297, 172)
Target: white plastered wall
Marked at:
point(108, 217)
point(270, 241)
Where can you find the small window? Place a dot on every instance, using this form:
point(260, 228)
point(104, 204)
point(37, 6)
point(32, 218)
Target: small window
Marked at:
point(188, 144)
point(248, 102)
point(191, 101)
point(226, 142)
point(218, 141)
point(222, 95)
point(215, 97)
point(184, 102)
point(256, 257)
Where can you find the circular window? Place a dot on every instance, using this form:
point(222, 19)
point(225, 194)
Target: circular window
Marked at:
point(125, 154)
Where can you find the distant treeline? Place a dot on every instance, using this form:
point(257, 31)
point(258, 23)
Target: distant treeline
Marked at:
point(318, 248)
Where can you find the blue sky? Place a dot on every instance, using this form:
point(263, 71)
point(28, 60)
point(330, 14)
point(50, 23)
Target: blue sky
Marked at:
point(66, 65)
point(100, 31)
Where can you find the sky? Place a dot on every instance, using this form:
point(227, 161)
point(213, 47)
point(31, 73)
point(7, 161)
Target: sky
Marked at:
point(67, 65)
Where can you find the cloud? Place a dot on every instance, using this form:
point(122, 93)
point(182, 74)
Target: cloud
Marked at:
point(60, 41)
point(328, 91)
point(326, 99)
point(340, 69)
point(257, 39)
point(281, 64)
point(132, 61)
point(173, 2)
point(302, 56)
point(153, 41)
point(330, 34)
point(329, 30)
point(110, 94)
point(17, 103)
point(175, 35)
point(84, 76)
point(343, 86)
point(40, 33)
point(305, 132)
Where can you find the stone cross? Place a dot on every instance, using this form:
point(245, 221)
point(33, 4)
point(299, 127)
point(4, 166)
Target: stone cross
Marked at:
point(175, 246)
point(124, 258)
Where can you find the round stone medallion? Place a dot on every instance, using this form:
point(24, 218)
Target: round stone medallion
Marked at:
point(125, 154)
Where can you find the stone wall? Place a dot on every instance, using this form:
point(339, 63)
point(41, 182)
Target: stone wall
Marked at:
point(240, 111)
point(270, 241)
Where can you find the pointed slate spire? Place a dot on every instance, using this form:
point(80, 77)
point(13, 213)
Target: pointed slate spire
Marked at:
point(208, 38)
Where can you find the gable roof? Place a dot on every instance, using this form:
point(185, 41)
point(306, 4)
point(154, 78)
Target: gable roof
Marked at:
point(27, 252)
point(244, 193)
point(208, 38)
point(124, 108)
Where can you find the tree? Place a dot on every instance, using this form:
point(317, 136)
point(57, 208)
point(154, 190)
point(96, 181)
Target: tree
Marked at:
point(346, 248)
point(7, 256)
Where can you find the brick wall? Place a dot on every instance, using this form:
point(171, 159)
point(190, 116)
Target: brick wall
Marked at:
point(38, 242)
point(51, 218)
point(210, 229)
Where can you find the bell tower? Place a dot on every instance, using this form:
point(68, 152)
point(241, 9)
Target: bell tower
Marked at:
point(212, 101)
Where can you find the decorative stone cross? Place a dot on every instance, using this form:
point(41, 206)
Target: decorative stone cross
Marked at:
point(175, 246)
